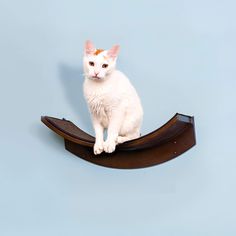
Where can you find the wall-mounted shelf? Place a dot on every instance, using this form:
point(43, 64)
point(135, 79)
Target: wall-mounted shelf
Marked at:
point(161, 145)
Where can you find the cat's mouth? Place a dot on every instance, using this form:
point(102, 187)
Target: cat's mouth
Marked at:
point(96, 77)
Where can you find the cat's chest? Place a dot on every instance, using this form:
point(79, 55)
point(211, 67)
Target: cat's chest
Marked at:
point(98, 100)
point(97, 95)
point(100, 107)
point(101, 99)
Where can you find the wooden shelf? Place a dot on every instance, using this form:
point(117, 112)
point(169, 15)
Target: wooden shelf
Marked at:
point(161, 145)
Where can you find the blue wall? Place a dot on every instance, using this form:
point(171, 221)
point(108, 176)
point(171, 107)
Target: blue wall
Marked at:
point(188, 66)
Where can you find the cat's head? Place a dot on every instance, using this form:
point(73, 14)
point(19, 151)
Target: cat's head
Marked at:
point(99, 63)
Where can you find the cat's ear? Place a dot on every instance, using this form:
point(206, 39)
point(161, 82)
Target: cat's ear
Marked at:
point(89, 48)
point(113, 52)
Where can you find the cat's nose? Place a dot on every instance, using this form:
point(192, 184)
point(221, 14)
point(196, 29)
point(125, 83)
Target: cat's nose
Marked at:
point(96, 73)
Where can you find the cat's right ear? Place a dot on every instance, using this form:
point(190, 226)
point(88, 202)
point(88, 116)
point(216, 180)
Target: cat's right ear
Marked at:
point(89, 48)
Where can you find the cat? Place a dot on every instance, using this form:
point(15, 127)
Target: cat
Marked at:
point(113, 102)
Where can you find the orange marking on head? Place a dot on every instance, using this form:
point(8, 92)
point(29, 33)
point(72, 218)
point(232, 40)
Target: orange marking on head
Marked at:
point(98, 51)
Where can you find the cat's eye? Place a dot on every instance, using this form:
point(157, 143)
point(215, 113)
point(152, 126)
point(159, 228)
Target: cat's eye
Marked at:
point(104, 65)
point(91, 63)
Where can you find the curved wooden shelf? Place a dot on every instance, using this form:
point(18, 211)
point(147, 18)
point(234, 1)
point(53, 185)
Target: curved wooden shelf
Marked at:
point(161, 145)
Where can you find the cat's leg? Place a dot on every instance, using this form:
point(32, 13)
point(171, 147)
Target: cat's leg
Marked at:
point(114, 126)
point(99, 141)
point(127, 137)
point(130, 128)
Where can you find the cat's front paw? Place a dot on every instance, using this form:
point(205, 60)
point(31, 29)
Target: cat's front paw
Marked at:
point(109, 146)
point(98, 148)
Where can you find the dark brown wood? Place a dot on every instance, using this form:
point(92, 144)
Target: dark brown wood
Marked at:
point(161, 145)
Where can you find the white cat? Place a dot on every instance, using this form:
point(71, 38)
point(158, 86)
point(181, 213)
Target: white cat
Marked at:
point(112, 100)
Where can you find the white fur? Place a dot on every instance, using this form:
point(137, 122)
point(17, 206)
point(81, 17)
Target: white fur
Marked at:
point(113, 102)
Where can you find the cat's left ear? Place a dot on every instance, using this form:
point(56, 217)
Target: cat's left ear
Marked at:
point(113, 52)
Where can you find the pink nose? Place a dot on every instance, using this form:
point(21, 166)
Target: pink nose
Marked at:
point(96, 73)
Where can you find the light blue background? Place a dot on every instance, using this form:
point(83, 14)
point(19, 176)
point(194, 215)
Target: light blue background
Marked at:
point(180, 55)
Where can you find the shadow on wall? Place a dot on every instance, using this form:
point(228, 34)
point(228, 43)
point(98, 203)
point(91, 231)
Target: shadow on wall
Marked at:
point(72, 81)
